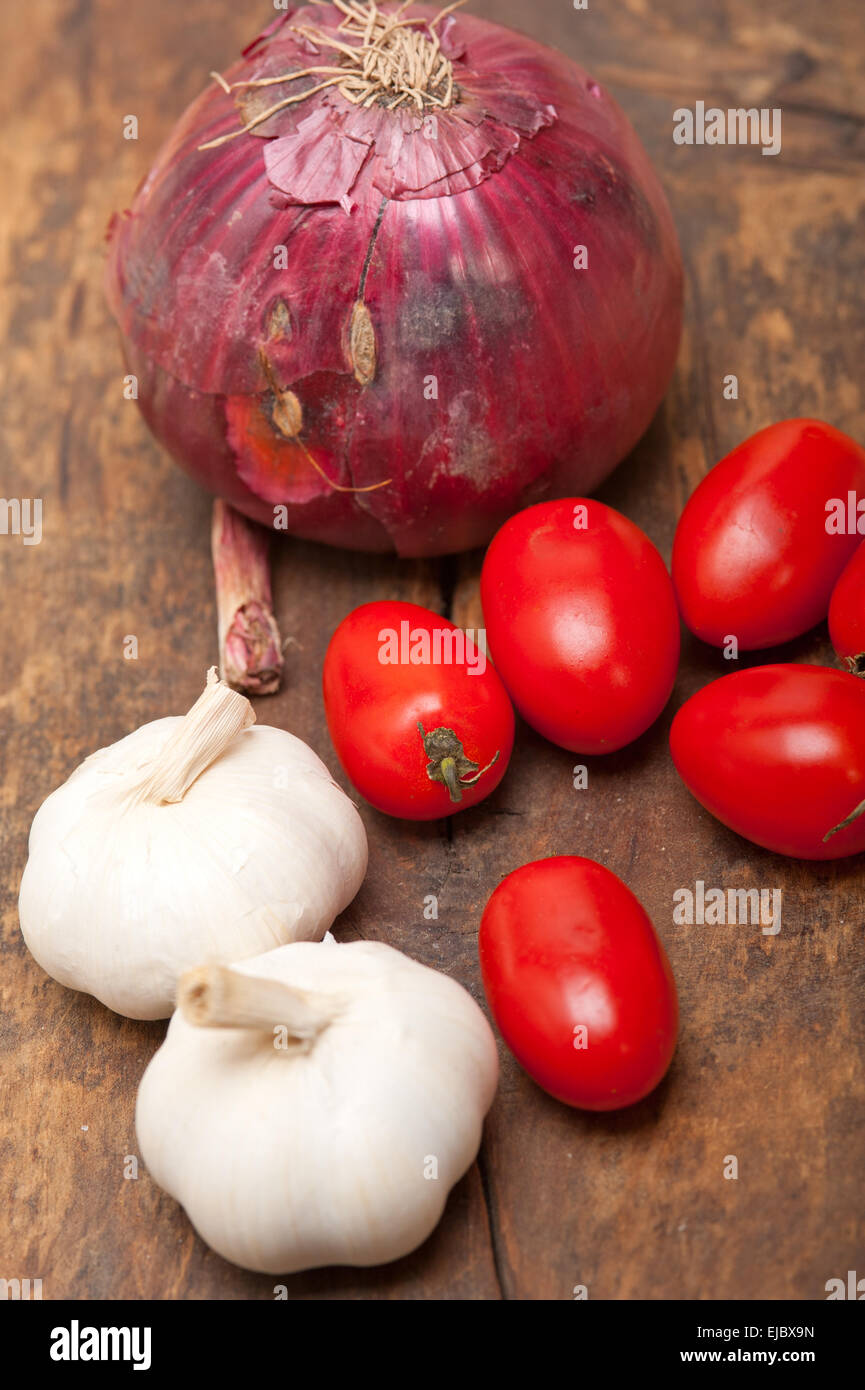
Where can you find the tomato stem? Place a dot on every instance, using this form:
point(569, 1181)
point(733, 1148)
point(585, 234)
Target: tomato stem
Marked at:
point(856, 664)
point(448, 763)
point(854, 816)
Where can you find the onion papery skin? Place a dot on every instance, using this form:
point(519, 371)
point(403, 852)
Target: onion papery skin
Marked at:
point(502, 376)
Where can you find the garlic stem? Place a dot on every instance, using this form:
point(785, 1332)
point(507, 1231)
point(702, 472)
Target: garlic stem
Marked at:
point(212, 996)
point(214, 722)
point(250, 649)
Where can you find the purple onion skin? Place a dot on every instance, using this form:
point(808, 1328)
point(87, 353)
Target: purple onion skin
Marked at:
point(546, 375)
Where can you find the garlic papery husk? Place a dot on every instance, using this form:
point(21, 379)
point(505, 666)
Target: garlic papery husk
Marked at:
point(329, 1128)
point(193, 839)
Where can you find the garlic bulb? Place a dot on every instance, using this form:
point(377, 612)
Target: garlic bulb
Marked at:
point(315, 1106)
point(193, 839)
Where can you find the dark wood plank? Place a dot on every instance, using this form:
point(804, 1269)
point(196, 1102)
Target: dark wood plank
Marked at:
point(769, 1066)
point(126, 551)
point(769, 1063)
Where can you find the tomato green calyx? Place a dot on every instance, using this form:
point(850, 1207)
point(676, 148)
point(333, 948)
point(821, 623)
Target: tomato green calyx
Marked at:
point(856, 664)
point(448, 763)
point(853, 816)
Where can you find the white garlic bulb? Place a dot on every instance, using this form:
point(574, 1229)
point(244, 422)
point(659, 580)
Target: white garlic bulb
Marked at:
point(316, 1105)
point(193, 839)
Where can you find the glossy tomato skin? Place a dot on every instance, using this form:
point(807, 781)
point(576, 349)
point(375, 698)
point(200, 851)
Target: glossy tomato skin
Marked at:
point(582, 623)
point(373, 710)
point(564, 944)
point(752, 558)
point(777, 753)
point(847, 613)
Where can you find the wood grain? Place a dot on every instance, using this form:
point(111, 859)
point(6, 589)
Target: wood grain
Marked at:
point(770, 1063)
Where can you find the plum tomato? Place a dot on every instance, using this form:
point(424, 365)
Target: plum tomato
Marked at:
point(762, 541)
point(582, 623)
point(847, 614)
point(419, 719)
point(578, 983)
point(777, 753)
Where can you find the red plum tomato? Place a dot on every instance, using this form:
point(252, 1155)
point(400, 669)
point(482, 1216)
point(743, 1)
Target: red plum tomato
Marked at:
point(762, 541)
point(777, 753)
point(582, 623)
point(847, 614)
point(419, 719)
point(578, 983)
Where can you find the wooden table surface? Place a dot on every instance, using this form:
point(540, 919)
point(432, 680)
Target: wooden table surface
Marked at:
point(770, 1061)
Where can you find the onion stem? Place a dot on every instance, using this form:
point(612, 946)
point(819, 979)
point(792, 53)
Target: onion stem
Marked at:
point(250, 649)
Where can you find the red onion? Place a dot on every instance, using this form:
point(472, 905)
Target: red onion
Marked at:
point(423, 358)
